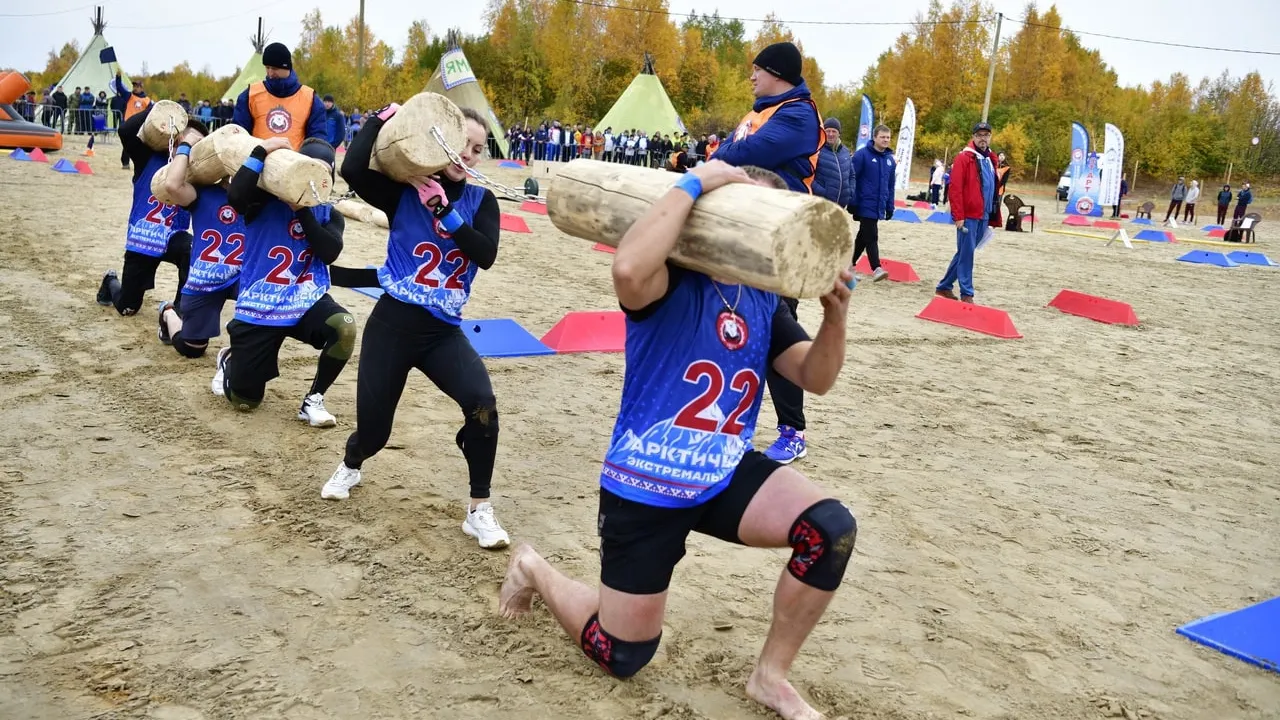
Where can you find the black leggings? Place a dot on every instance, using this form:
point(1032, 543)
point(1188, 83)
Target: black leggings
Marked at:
point(398, 338)
point(788, 398)
point(868, 240)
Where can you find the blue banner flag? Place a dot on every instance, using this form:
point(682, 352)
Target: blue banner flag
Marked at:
point(865, 123)
point(1086, 175)
point(107, 55)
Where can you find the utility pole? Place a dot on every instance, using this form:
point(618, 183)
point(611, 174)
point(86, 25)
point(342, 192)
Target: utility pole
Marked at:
point(991, 73)
point(360, 50)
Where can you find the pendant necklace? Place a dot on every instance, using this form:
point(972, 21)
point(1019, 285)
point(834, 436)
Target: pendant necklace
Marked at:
point(733, 309)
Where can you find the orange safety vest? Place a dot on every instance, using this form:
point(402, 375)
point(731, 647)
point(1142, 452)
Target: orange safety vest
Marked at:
point(712, 147)
point(136, 105)
point(753, 121)
point(280, 117)
point(1000, 173)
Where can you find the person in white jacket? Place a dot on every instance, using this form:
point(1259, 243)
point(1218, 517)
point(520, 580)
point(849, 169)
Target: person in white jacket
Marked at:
point(1193, 194)
point(935, 181)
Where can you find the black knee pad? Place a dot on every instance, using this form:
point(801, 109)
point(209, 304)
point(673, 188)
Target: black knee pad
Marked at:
point(822, 541)
point(481, 425)
point(619, 658)
point(186, 348)
point(245, 399)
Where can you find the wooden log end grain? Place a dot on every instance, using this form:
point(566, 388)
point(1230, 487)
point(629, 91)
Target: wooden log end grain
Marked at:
point(167, 119)
point(407, 148)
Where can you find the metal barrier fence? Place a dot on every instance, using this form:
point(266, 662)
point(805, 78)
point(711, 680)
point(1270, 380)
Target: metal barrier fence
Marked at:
point(98, 121)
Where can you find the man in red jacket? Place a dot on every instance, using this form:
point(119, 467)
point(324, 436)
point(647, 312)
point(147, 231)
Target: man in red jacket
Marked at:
point(973, 196)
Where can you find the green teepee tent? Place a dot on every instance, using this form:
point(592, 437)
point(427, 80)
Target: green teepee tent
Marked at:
point(644, 106)
point(253, 70)
point(89, 70)
point(455, 80)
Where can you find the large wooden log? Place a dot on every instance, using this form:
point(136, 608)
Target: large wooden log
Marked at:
point(406, 148)
point(785, 242)
point(158, 181)
point(205, 166)
point(167, 119)
point(290, 176)
point(362, 212)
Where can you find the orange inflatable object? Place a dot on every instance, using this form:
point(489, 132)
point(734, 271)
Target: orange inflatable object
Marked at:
point(15, 130)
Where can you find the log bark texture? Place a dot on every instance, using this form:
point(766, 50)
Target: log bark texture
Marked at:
point(780, 241)
point(406, 147)
point(205, 166)
point(289, 175)
point(165, 115)
point(360, 211)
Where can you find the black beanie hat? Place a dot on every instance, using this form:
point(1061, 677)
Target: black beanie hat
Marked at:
point(277, 55)
point(781, 60)
point(320, 150)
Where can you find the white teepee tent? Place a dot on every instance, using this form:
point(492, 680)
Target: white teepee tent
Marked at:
point(455, 80)
point(89, 70)
point(253, 71)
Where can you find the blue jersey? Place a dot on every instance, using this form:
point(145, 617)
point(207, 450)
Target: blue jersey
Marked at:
point(151, 222)
point(218, 245)
point(280, 279)
point(694, 379)
point(424, 266)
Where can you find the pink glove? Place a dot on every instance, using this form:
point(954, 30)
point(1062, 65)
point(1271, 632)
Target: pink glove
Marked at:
point(430, 194)
point(386, 112)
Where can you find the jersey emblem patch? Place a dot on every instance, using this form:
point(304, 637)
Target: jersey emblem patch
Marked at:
point(279, 120)
point(731, 330)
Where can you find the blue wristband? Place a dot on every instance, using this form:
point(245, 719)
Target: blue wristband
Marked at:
point(690, 184)
point(452, 221)
point(253, 164)
point(183, 149)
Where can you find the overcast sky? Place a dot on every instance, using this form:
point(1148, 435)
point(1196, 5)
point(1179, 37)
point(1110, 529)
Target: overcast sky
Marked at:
point(162, 34)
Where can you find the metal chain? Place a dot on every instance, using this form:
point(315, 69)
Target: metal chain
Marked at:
point(173, 135)
point(480, 178)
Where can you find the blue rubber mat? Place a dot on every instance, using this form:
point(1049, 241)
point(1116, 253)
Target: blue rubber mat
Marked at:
point(374, 293)
point(1250, 634)
point(502, 337)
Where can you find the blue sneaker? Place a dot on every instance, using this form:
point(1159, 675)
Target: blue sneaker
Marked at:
point(789, 446)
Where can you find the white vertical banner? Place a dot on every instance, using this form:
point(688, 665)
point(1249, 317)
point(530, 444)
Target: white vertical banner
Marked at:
point(1112, 165)
point(906, 145)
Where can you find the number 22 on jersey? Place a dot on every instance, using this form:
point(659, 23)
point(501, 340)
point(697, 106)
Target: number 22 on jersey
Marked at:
point(693, 416)
point(434, 256)
point(232, 245)
point(159, 213)
point(279, 274)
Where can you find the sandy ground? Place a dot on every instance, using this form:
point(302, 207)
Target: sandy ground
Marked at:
point(1036, 516)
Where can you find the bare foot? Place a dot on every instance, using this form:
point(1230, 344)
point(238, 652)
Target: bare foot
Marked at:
point(779, 696)
point(516, 596)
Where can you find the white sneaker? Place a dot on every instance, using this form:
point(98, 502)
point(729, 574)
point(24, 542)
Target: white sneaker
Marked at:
point(339, 486)
point(483, 526)
point(879, 274)
point(221, 363)
point(314, 413)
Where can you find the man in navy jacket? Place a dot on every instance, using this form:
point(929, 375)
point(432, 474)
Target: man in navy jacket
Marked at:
point(783, 133)
point(834, 178)
point(877, 172)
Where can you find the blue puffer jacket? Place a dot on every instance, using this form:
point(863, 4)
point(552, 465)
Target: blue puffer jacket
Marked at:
point(784, 143)
point(876, 173)
point(335, 126)
point(835, 179)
